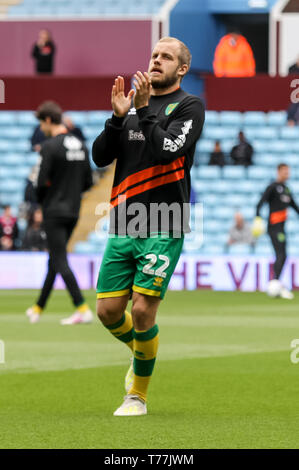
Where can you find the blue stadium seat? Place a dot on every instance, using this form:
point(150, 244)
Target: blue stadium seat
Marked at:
point(276, 118)
point(293, 145)
point(234, 172)
point(260, 146)
point(208, 172)
point(229, 118)
point(223, 212)
point(219, 133)
point(211, 118)
point(7, 118)
point(263, 250)
point(260, 132)
point(98, 118)
point(91, 132)
point(211, 226)
point(254, 118)
point(289, 132)
point(258, 172)
point(26, 118)
point(279, 146)
point(227, 145)
point(10, 159)
point(79, 118)
point(239, 249)
point(15, 132)
point(293, 250)
point(212, 249)
point(205, 146)
point(267, 159)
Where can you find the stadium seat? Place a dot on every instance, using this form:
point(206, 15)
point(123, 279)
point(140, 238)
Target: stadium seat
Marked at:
point(276, 118)
point(234, 172)
point(289, 132)
point(7, 118)
point(211, 118)
point(258, 172)
point(227, 145)
point(279, 146)
point(208, 172)
point(260, 132)
point(205, 145)
point(254, 118)
point(240, 249)
point(219, 133)
point(229, 118)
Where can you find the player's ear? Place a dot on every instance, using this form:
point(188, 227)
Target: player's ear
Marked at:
point(183, 70)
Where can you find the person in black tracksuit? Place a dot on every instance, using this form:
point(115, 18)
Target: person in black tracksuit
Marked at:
point(43, 52)
point(279, 198)
point(64, 174)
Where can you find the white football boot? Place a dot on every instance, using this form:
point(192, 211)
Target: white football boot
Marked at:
point(132, 406)
point(33, 316)
point(78, 318)
point(286, 294)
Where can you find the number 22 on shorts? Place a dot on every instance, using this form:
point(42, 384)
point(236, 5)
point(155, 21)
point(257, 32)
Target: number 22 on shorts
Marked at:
point(148, 268)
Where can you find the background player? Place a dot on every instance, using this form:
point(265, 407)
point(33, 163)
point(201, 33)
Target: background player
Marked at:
point(279, 198)
point(63, 175)
point(154, 144)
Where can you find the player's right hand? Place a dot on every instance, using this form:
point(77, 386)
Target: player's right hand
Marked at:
point(120, 102)
point(258, 227)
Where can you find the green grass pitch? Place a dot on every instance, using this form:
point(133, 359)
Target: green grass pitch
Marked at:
point(223, 377)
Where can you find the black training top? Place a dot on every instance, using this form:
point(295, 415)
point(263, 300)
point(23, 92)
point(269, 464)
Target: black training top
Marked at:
point(154, 148)
point(279, 197)
point(64, 174)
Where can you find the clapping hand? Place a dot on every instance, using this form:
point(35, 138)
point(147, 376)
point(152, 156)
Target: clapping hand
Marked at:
point(142, 84)
point(120, 102)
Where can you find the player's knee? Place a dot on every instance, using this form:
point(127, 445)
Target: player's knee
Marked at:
point(141, 318)
point(108, 312)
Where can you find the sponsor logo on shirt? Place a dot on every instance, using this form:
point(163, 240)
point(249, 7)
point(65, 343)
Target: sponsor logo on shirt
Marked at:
point(179, 142)
point(136, 135)
point(171, 107)
point(74, 149)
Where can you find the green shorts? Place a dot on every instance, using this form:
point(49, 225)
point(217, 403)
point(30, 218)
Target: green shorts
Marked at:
point(143, 265)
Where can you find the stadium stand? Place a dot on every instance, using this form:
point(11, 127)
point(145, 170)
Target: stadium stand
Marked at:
point(222, 191)
point(85, 8)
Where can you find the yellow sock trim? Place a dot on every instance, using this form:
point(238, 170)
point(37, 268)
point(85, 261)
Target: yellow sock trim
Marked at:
point(83, 308)
point(37, 309)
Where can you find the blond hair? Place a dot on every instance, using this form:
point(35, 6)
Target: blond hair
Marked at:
point(184, 55)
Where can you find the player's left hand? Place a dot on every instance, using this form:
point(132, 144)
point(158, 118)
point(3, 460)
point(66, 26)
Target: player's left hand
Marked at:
point(142, 84)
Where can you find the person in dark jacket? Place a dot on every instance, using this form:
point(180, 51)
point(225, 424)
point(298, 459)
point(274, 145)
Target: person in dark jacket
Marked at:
point(35, 238)
point(241, 154)
point(64, 174)
point(293, 114)
point(217, 156)
point(43, 52)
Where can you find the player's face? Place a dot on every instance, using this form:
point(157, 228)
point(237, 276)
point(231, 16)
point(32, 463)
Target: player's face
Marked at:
point(164, 67)
point(45, 127)
point(284, 173)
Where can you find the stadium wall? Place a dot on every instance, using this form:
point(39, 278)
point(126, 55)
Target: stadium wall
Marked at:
point(260, 93)
point(225, 273)
point(83, 47)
